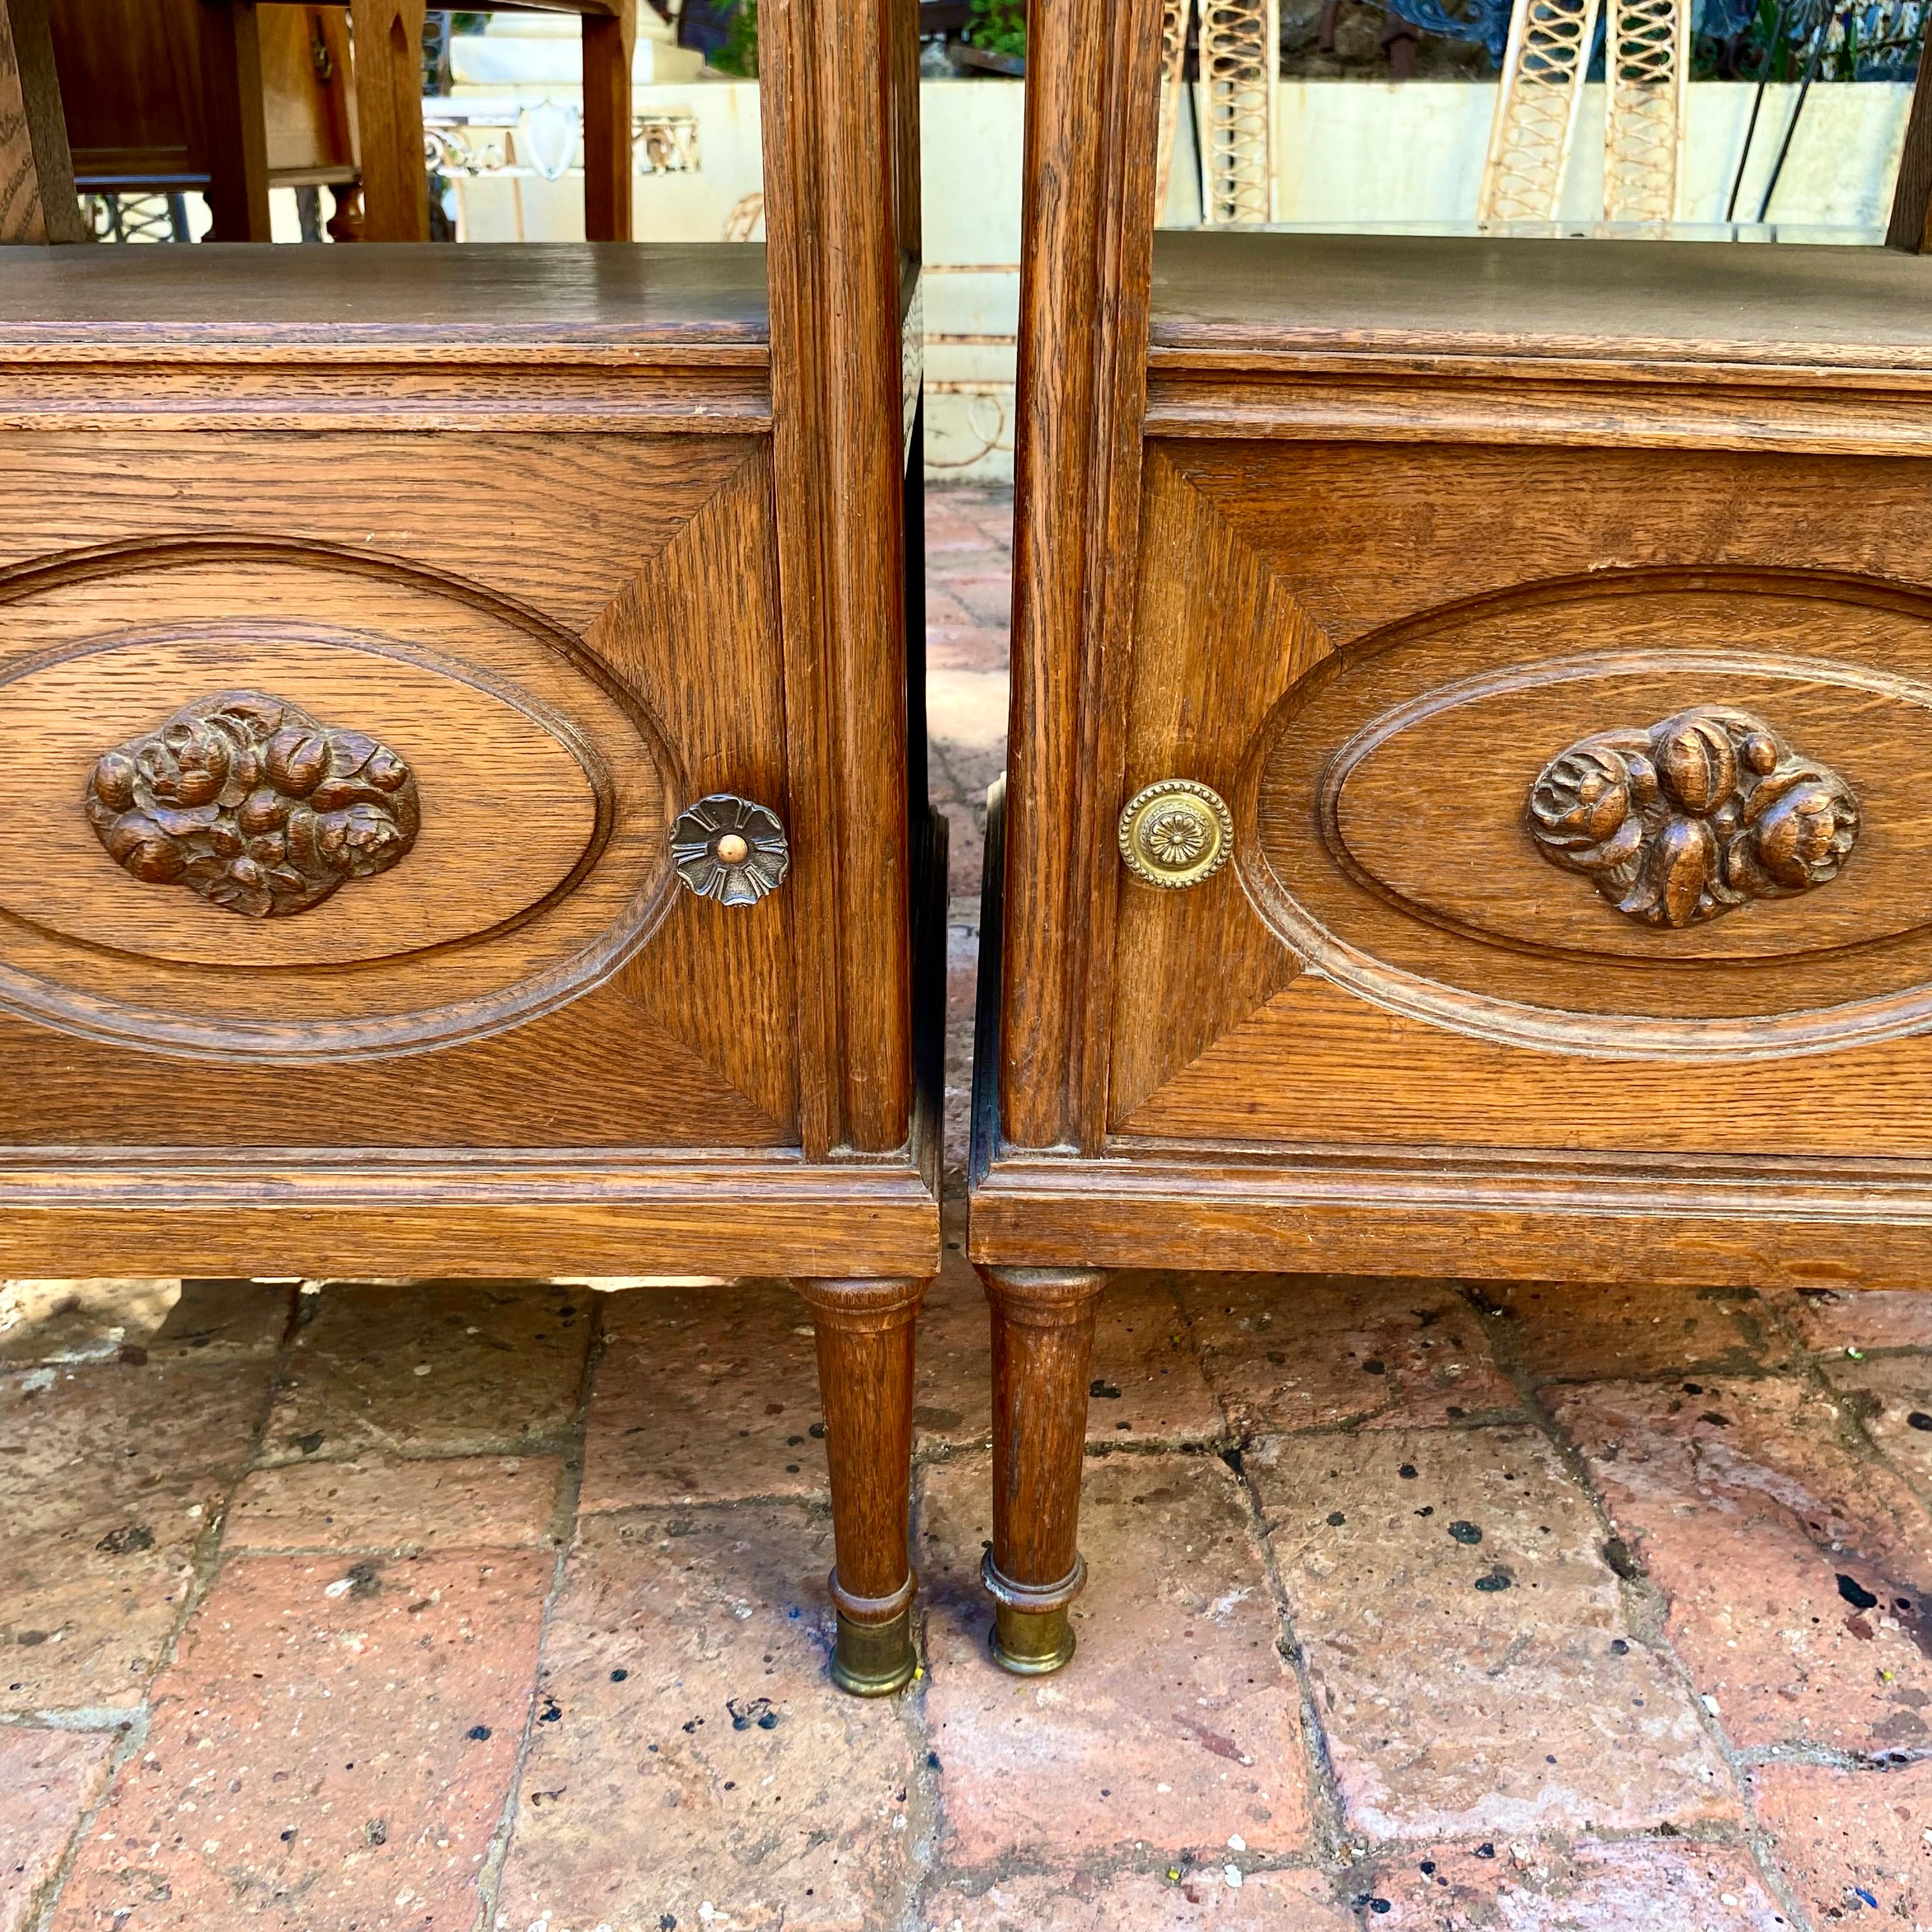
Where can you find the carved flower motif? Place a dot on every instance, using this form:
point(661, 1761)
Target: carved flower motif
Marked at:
point(1175, 838)
point(729, 850)
point(1702, 813)
point(250, 803)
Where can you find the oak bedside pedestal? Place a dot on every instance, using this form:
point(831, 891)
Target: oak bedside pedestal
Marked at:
point(1467, 799)
point(463, 812)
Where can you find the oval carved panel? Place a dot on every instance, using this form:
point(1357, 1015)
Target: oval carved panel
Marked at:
point(519, 801)
point(1588, 818)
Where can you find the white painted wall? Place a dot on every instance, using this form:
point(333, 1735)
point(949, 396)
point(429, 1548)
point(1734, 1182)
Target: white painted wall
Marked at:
point(1349, 152)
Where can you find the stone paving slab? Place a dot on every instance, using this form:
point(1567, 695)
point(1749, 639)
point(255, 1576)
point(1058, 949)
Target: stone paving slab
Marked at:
point(1828, 1320)
point(1287, 1352)
point(48, 1781)
point(333, 1748)
point(1631, 1885)
point(692, 1763)
point(112, 1477)
point(382, 1503)
point(1178, 1723)
point(1146, 1386)
point(1892, 1396)
point(1797, 1572)
point(709, 1392)
point(434, 1368)
point(1857, 1845)
point(1592, 1331)
point(1197, 1895)
point(1473, 1667)
point(134, 1317)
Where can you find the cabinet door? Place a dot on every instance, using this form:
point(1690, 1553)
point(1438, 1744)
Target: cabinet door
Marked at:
point(1574, 799)
point(342, 774)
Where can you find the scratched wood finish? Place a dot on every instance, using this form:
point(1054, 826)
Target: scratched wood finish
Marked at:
point(37, 193)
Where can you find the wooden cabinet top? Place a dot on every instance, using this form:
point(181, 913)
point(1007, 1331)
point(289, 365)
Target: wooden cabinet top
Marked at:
point(1275, 295)
point(400, 296)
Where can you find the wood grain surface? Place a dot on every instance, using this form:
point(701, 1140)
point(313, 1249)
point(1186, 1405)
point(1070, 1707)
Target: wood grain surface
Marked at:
point(1092, 107)
point(487, 767)
point(1415, 514)
point(482, 301)
point(182, 1211)
point(234, 119)
point(37, 193)
point(1225, 300)
point(838, 457)
point(388, 36)
point(1910, 227)
point(609, 40)
point(1767, 1223)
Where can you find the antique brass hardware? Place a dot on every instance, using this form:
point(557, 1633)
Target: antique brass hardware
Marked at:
point(1176, 833)
point(729, 849)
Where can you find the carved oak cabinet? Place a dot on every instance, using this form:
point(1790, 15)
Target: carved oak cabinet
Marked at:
point(1467, 811)
point(459, 815)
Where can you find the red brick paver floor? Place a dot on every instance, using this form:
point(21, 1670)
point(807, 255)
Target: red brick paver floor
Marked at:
point(499, 1607)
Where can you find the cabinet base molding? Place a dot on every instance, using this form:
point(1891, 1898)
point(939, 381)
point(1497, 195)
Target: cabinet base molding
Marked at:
point(320, 1211)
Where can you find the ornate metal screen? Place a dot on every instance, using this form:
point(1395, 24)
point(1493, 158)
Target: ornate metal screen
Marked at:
point(1241, 60)
point(1535, 124)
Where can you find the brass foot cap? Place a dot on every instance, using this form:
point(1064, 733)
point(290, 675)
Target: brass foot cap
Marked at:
point(1031, 1643)
point(874, 1659)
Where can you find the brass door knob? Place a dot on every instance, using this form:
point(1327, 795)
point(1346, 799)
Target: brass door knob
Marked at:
point(729, 850)
point(1176, 833)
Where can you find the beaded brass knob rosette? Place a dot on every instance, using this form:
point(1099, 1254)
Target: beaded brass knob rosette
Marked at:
point(1175, 833)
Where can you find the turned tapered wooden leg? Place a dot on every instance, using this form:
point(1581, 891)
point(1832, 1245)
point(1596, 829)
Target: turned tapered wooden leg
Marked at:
point(865, 1332)
point(1043, 1350)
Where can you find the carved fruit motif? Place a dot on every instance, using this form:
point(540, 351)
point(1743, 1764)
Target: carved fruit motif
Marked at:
point(1700, 814)
point(250, 803)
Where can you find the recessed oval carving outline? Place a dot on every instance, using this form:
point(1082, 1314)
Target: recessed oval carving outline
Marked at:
point(574, 965)
point(1328, 953)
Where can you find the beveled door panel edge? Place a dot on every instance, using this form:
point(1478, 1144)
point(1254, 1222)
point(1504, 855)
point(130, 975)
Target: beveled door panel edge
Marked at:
point(1580, 668)
point(309, 1211)
point(130, 1023)
point(1509, 1022)
point(1451, 1213)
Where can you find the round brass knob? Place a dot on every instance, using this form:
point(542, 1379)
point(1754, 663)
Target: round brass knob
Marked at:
point(729, 850)
point(1176, 833)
